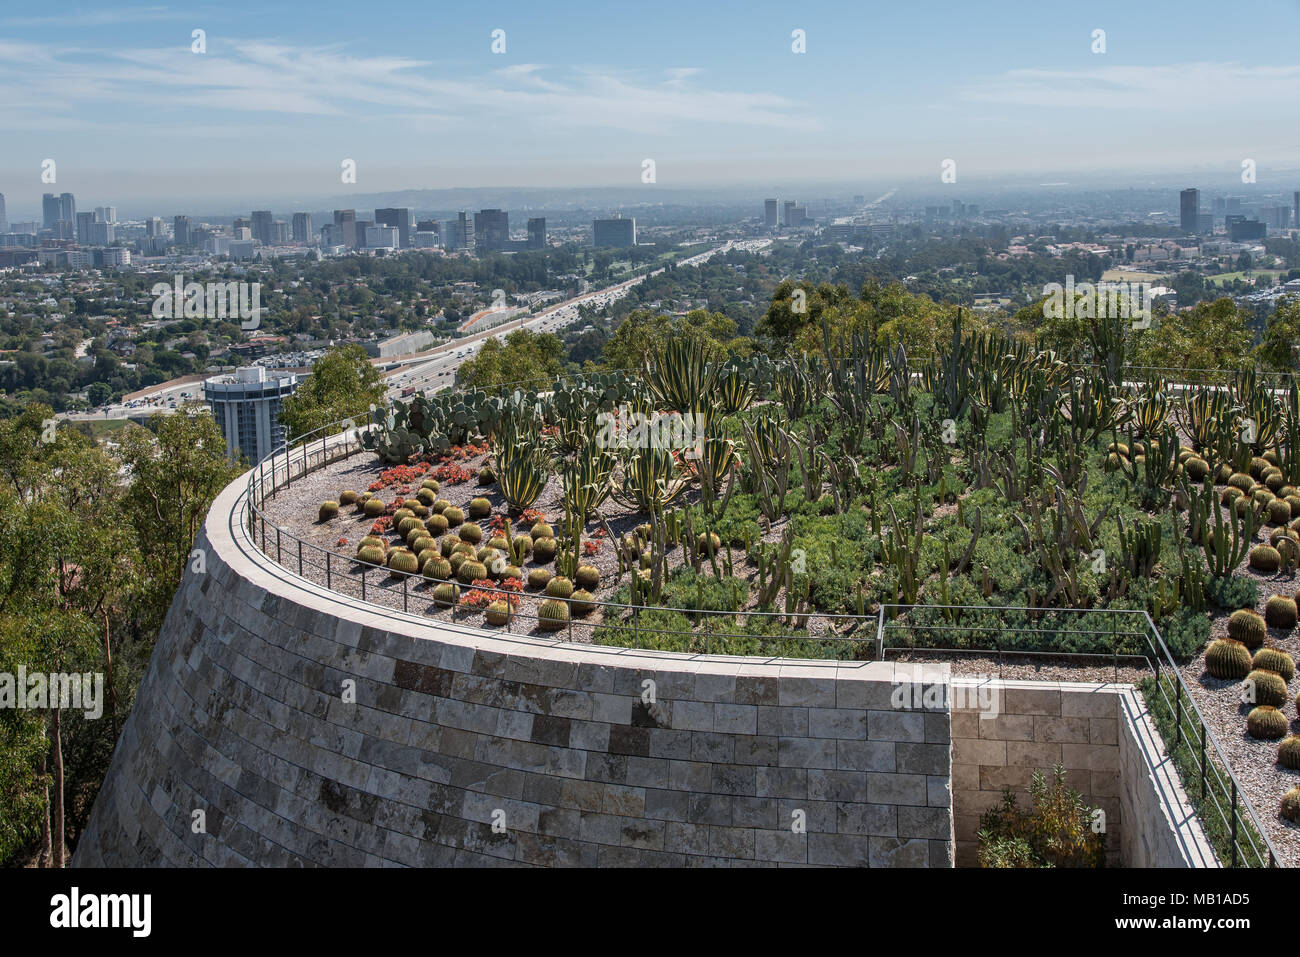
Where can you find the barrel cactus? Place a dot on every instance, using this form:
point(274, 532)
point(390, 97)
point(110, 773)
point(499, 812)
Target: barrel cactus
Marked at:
point(1119, 448)
point(471, 533)
point(328, 510)
point(439, 506)
point(373, 508)
point(1258, 466)
point(1247, 626)
point(587, 576)
point(1280, 533)
point(1267, 723)
point(420, 541)
point(704, 543)
point(541, 530)
point(437, 568)
point(1222, 473)
point(446, 594)
point(471, 570)
point(497, 613)
point(456, 559)
point(508, 571)
point(1197, 468)
point(486, 476)
point(582, 602)
point(559, 587)
point(1265, 558)
point(453, 515)
point(1265, 687)
point(521, 546)
point(1288, 752)
point(1274, 659)
point(544, 550)
point(479, 508)
point(1290, 808)
point(373, 540)
point(552, 615)
point(408, 522)
point(436, 524)
point(538, 577)
point(499, 542)
point(1241, 480)
point(431, 484)
point(1227, 660)
point(348, 497)
point(1280, 612)
point(1275, 481)
point(1288, 550)
point(426, 496)
point(371, 555)
point(1279, 512)
point(1230, 496)
point(403, 561)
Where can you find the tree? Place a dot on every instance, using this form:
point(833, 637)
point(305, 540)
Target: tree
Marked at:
point(1210, 335)
point(343, 384)
point(1281, 336)
point(525, 360)
point(645, 332)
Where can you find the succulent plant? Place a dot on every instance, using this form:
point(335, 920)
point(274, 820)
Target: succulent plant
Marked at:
point(404, 512)
point(1118, 447)
point(1243, 506)
point(544, 550)
point(373, 540)
point(471, 571)
point(1288, 550)
point(403, 561)
point(327, 511)
point(446, 594)
point(582, 602)
point(1227, 660)
point(422, 541)
point(436, 524)
point(1242, 481)
point(347, 497)
point(510, 571)
point(479, 508)
point(1265, 558)
point(1290, 808)
point(1274, 481)
point(703, 543)
point(1288, 752)
point(453, 515)
point(1279, 512)
point(425, 554)
point(559, 587)
point(1293, 500)
point(486, 476)
point(1197, 468)
point(431, 484)
point(1258, 466)
point(456, 559)
point(541, 530)
point(370, 554)
point(1279, 533)
point(1272, 458)
point(1230, 495)
point(471, 533)
point(497, 613)
point(1266, 722)
point(587, 576)
point(552, 615)
point(1280, 611)
point(426, 496)
point(465, 548)
point(1114, 462)
point(1265, 687)
point(407, 523)
point(421, 511)
point(521, 546)
point(1261, 496)
point(1222, 474)
point(437, 567)
point(538, 577)
point(373, 507)
point(1274, 659)
point(1247, 626)
point(439, 506)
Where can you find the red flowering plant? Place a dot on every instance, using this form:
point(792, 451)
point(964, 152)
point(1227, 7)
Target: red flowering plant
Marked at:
point(341, 542)
point(591, 547)
point(484, 592)
point(381, 525)
point(534, 515)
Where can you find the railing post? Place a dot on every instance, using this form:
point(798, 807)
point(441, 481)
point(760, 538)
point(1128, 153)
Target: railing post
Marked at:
point(328, 586)
point(1178, 714)
point(277, 546)
point(404, 579)
point(300, 556)
point(1202, 760)
point(1234, 818)
point(363, 582)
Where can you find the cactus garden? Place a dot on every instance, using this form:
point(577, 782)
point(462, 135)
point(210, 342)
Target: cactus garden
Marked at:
point(752, 506)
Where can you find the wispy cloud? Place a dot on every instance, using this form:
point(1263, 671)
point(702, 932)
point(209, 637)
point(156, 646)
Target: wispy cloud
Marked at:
point(97, 18)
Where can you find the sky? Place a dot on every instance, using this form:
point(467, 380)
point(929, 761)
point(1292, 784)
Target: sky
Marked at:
point(584, 93)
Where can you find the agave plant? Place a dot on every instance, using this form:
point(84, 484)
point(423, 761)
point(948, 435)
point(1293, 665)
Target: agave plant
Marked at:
point(1151, 407)
point(681, 376)
point(587, 481)
point(735, 386)
point(648, 479)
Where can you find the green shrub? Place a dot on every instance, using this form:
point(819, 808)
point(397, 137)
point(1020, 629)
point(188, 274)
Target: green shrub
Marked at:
point(1185, 632)
point(1233, 591)
point(1274, 659)
point(1056, 831)
point(1265, 687)
point(1266, 722)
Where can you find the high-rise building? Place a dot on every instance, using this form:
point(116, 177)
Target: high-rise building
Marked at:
point(1295, 213)
point(458, 233)
point(380, 236)
point(302, 227)
point(1244, 230)
point(769, 213)
point(106, 214)
point(1205, 224)
point(262, 220)
point(616, 233)
point(67, 208)
point(1189, 207)
point(789, 207)
point(247, 406)
point(84, 222)
point(361, 226)
point(4, 219)
point(181, 231)
point(101, 233)
point(402, 218)
point(537, 232)
point(346, 234)
point(49, 210)
point(491, 230)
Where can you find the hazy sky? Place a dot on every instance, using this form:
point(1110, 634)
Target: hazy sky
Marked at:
point(712, 92)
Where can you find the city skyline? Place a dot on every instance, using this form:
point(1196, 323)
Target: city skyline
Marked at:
point(711, 99)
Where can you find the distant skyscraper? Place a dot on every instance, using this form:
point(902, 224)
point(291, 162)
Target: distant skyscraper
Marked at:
point(400, 217)
point(537, 232)
point(617, 233)
point(769, 213)
point(4, 220)
point(346, 234)
point(491, 230)
point(790, 204)
point(1295, 213)
point(262, 220)
point(84, 222)
point(106, 214)
point(1189, 207)
point(181, 230)
point(67, 208)
point(458, 233)
point(49, 210)
point(302, 227)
